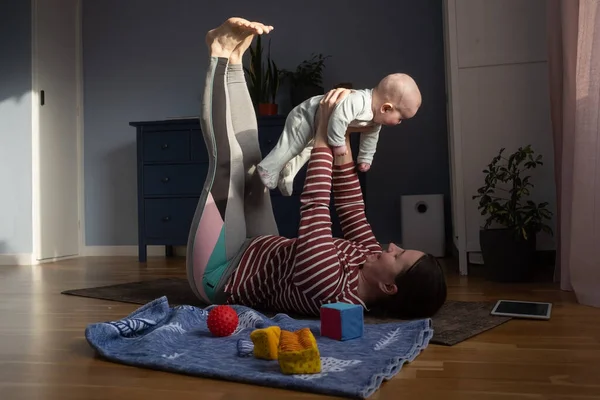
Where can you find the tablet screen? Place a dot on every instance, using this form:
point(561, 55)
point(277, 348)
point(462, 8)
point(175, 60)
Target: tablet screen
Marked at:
point(522, 308)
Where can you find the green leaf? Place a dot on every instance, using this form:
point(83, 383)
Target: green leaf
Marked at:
point(263, 75)
point(509, 175)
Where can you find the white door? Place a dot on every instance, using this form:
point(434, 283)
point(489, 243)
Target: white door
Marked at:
point(56, 225)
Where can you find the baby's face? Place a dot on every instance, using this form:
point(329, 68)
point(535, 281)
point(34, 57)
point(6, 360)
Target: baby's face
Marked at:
point(390, 115)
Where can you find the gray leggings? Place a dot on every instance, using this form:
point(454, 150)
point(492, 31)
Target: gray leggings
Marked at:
point(234, 205)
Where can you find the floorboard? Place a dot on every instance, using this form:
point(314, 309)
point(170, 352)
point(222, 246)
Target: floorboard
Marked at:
point(43, 353)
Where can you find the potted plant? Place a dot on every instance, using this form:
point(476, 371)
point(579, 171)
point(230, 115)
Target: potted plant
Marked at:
point(263, 80)
point(508, 238)
point(307, 80)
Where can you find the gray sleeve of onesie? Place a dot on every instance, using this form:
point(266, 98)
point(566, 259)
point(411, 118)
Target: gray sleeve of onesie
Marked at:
point(368, 145)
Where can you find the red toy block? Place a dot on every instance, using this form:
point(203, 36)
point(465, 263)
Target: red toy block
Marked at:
point(342, 321)
point(331, 323)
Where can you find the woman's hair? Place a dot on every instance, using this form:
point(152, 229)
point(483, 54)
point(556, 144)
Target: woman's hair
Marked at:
point(421, 291)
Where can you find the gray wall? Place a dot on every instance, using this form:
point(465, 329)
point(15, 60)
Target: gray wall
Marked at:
point(15, 127)
point(145, 60)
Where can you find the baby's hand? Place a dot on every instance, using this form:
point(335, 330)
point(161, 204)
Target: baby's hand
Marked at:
point(340, 150)
point(364, 167)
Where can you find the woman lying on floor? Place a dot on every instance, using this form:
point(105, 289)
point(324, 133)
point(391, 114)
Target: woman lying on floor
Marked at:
point(235, 254)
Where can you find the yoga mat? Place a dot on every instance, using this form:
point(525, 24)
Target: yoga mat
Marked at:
point(455, 322)
point(176, 339)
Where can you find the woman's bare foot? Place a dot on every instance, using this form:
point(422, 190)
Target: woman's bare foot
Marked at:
point(223, 40)
point(238, 52)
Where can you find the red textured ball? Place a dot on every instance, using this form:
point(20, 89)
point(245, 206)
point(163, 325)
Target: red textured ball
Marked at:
point(222, 321)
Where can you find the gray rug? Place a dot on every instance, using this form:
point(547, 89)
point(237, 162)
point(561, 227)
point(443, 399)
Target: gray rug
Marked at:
point(455, 322)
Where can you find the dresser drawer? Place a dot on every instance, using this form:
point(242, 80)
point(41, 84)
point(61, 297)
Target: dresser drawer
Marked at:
point(169, 218)
point(198, 148)
point(173, 146)
point(174, 179)
point(267, 138)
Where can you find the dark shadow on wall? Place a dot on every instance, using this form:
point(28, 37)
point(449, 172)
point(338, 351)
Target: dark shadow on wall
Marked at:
point(15, 60)
point(413, 159)
point(160, 73)
point(15, 44)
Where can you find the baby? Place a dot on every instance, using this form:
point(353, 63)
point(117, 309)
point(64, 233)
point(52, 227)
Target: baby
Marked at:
point(395, 98)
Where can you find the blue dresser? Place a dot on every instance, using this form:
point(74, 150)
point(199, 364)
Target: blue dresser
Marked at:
point(172, 164)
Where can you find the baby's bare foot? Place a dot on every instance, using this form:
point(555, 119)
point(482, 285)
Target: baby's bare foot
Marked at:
point(340, 150)
point(364, 167)
point(223, 40)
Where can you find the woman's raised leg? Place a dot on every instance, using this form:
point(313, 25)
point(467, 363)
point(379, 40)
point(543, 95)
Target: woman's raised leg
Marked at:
point(218, 229)
point(258, 210)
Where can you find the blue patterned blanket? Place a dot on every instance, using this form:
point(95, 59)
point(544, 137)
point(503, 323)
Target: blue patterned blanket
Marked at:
point(176, 339)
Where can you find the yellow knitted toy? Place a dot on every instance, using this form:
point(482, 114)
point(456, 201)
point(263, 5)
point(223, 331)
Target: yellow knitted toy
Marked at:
point(266, 342)
point(298, 352)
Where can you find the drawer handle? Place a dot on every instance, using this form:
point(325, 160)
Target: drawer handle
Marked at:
point(165, 146)
point(166, 219)
point(165, 179)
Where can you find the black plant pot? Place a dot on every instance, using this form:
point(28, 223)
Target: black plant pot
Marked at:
point(302, 92)
point(507, 258)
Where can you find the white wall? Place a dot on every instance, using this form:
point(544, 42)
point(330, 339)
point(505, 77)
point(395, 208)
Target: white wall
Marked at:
point(500, 97)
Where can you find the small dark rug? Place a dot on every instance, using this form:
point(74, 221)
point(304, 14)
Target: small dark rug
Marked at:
point(454, 323)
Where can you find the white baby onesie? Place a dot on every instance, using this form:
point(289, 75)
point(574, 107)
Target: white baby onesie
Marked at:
point(295, 144)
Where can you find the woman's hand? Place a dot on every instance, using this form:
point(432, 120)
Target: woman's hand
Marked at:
point(330, 100)
point(326, 107)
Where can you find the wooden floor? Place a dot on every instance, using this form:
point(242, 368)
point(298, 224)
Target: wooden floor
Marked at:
point(43, 353)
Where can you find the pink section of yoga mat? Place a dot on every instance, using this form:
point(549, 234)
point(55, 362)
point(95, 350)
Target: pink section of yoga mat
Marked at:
point(207, 235)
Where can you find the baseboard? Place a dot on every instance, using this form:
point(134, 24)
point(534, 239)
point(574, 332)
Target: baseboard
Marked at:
point(17, 259)
point(107, 251)
point(28, 259)
point(55, 259)
point(90, 251)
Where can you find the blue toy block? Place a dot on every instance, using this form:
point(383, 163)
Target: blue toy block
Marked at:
point(342, 321)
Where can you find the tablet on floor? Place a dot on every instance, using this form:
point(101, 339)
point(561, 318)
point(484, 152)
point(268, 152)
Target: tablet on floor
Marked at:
point(523, 309)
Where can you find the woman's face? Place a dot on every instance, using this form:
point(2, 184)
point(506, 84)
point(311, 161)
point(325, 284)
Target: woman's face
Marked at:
point(384, 267)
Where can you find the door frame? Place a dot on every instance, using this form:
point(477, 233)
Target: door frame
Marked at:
point(35, 130)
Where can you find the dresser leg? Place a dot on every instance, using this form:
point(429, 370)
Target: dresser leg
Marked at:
point(142, 254)
point(169, 251)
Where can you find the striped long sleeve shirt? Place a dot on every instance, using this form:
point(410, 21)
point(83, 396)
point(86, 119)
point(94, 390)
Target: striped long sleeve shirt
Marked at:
point(300, 274)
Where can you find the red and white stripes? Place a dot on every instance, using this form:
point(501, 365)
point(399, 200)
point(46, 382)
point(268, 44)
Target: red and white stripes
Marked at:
point(299, 275)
